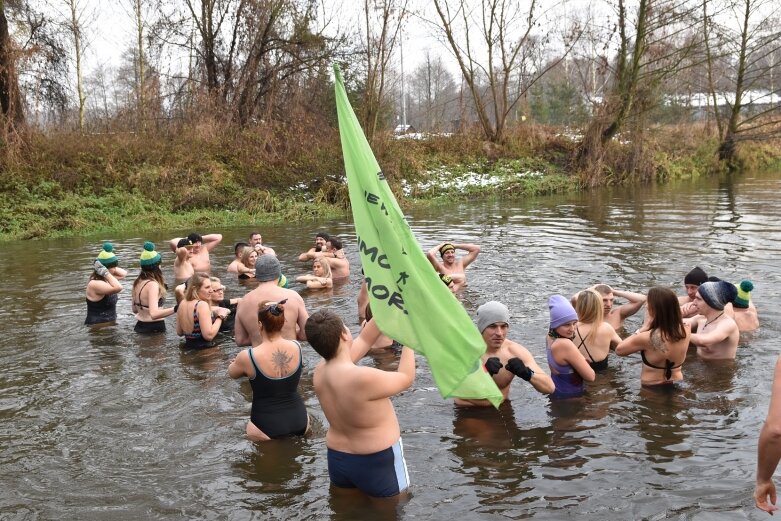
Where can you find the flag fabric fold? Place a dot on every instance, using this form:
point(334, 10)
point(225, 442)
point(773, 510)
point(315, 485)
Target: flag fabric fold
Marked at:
point(408, 300)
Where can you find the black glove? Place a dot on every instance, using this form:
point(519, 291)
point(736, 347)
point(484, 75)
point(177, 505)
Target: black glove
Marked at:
point(493, 365)
point(518, 368)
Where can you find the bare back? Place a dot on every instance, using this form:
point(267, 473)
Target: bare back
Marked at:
point(247, 326)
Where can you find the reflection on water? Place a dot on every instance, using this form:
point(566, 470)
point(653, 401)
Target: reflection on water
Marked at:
point(101, 423)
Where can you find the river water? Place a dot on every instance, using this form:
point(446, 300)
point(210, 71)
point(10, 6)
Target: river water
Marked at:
point(104, 424)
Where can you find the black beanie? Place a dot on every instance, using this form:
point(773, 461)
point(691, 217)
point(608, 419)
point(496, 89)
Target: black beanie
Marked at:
point(696, 276)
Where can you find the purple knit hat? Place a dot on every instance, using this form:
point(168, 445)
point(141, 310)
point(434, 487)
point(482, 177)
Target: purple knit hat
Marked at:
point(561, 311)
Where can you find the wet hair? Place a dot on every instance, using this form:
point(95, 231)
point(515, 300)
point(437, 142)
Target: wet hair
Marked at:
point(323, 235)
point(152, 272)
point(252, 234)
point(324, 332)
point(326, 267)
point(245, 254)
point(666, 311)
point(603, 289)
point(239, 247)
point(336, 243)
point(271, 316)
point(194, 284)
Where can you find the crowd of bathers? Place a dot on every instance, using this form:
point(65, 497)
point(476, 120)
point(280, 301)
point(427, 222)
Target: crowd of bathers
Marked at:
point(364, 441)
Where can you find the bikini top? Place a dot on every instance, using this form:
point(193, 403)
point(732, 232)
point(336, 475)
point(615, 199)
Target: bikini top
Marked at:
point(669, 365)
point(138, 304)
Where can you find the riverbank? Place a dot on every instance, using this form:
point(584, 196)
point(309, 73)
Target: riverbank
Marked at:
point(65, 185)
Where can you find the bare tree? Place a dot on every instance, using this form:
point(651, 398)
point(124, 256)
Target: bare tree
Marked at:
point(76, 20)
point(433, 88)
point(750, 39)
point(501, 54)
point(10, 97)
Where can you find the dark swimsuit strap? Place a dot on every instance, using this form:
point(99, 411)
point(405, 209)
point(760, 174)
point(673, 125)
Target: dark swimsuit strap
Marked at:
point(668, 366)
point(139, 304)
point(583, 345)
point(257, 369)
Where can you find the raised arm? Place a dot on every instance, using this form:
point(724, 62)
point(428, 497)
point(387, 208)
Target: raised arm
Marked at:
point(361, 345)
point(173, 243)
point(307, 255)
point(384, 384)
point(211, 240)
point(473, 250)
point(636, 301)
point(633, 343)
point(431, 255)
point(769, 448)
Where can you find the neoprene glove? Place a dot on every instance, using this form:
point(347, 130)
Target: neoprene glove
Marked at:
point(100, 269)
point(493, 365)
point(518, 368)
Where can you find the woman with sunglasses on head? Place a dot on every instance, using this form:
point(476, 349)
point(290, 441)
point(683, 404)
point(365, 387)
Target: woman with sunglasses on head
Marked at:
point(218, 301)
point(274, 369)
point(194, 313)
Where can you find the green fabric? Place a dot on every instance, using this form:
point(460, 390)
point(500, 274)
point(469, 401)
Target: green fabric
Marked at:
point(408, 300)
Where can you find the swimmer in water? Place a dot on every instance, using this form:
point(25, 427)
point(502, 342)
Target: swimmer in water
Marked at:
point(103, 287)
point(568, 367)
point(194, 314)
point(321, 275)
point(201, 246)
point(454, 267)
point(149, 291)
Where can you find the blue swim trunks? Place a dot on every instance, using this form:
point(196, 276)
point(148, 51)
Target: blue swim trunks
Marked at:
point(382, 474)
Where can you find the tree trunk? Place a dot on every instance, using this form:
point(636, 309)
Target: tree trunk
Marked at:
point(10, 97)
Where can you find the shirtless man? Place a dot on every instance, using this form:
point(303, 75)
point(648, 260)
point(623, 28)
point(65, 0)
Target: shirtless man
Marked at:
point(456, 268)
point(615, 316)
point(256, 242)
point(691, 282)
point(743, 310)
point(334, 252)
point(201, 248)
point(267, 273)
point(238, 249)
point(320, 239)
point(183, 268)
point(717, 333)
point(503, 358)
point(363, 439)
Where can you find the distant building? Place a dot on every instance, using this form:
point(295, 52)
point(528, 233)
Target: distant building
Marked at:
point(404, 129)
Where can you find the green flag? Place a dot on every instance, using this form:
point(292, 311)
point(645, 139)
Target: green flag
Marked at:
point(408, 300)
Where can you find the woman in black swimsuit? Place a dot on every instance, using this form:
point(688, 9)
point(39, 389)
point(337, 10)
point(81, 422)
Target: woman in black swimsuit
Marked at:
point(593, 336)
point(274, 370)
point(103, 287)
point(149, 291)
point(663, 347)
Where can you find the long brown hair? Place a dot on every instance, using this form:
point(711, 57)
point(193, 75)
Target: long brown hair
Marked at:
point(151, 273)
point(666, 311)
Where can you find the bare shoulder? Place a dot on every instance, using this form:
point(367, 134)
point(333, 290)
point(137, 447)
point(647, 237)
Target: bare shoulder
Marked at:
point(517, 349)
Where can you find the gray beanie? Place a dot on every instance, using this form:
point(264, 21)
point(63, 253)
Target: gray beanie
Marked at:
point(717, 294)
point(491, 313)
point(267, 268)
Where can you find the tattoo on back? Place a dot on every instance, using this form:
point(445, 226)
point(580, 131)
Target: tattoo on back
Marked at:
point(281, 362)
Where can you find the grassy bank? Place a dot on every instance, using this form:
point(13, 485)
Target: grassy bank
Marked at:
point(212, 177)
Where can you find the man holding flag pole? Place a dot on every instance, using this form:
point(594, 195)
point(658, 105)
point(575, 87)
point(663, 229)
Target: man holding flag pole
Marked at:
point(409, 304)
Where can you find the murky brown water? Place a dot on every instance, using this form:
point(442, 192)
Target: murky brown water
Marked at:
point(105, 424)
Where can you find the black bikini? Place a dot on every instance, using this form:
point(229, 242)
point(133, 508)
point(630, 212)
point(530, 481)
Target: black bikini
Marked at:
point(668, 366)
point(596, 366)
point(103, 310)
point(155, 326)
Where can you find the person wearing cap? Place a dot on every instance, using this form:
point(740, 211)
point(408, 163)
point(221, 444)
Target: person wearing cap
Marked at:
point(717, 333)
point(743, 310)
point(320, 239)
point(103, 287)
point(450, 265)
point(334, 252)
point(505, 359)
point(201, 246)
point(691, 283)
point(183, 267)
point(149, 291)
point(268, 272)
point(256, 243)
point(568, 367)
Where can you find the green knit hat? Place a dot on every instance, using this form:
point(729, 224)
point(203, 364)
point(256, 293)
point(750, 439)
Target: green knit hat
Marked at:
point(744, 294)
point(149, 257)
point(107, 256)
